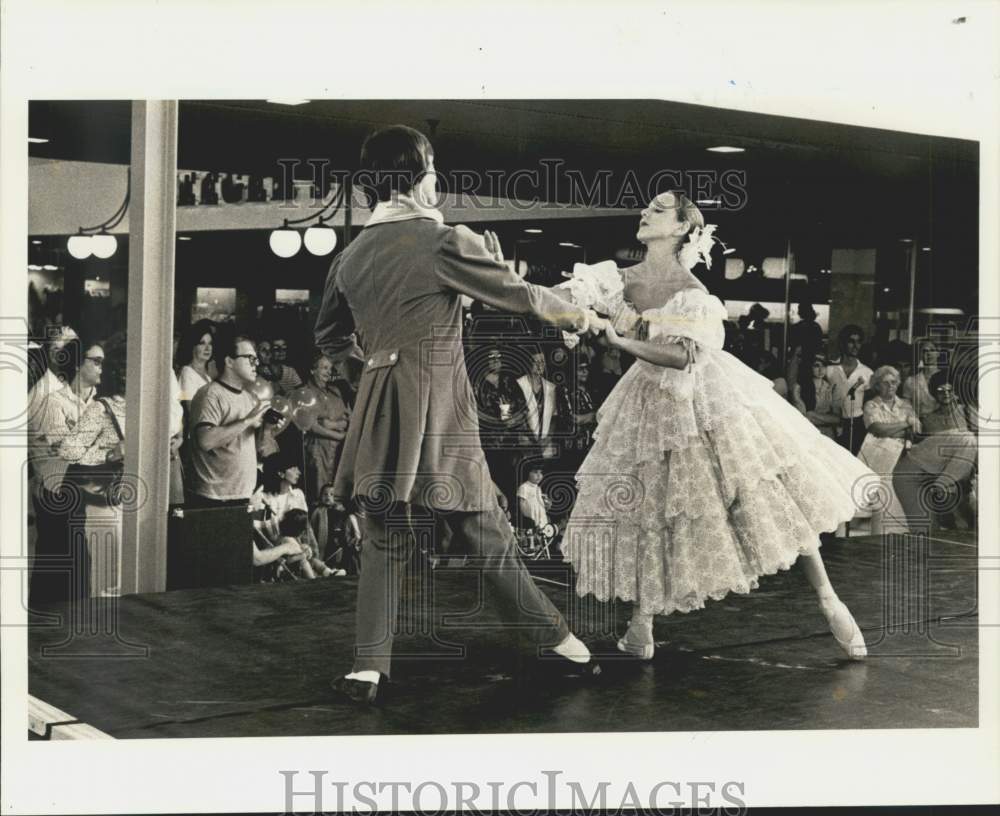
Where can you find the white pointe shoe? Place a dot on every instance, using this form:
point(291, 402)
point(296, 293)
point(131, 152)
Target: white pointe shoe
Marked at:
point(836, 611)
point(640, 644)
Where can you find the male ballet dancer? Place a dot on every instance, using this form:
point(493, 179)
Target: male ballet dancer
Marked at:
point(412, 447)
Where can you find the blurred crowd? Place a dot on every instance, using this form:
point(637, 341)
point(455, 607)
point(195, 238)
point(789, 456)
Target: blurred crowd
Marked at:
point(258, 423)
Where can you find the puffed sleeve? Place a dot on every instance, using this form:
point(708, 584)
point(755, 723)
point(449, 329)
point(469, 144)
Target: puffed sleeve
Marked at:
point(464, 266)
point(700, 318)
point(694, 320)
point(334, 332)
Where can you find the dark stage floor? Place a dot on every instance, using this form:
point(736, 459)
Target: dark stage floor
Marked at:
point(255, 661)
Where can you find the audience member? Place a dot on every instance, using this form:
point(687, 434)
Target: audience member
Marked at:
point(224, 418)
point(280, 492)
point(60, 557)
point(949, 416)
point(850, 378)
point(95, 451)
point(321, 441)
point(579, 416)
point(496, 395)
point(53, 379)
point(943, 461)
point(533, 504)
point(891, 425)
point(295, 526)
point(806, 334)
point(337, 533)
point(194, 356)
point(537, 409)
point(916, 387)
point(265, 365)
point(286, 378)
point(813, 396)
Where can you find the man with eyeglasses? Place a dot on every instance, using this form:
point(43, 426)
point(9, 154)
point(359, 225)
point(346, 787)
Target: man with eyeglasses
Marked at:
point(850, 378)
point(224, 418)
point(57, 557)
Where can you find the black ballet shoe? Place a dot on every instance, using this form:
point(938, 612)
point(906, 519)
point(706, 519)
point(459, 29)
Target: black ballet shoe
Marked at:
point(357, 691)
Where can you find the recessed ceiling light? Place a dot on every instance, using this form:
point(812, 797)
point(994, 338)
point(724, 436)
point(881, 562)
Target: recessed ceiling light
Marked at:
point(886, 289)
point(708, 202)
point(534, 231)
point(906, 240)
point(287, 101)
point(568, 244)
point(725, 149)
point(37, 140)
point(36, 242)
point(183, 237)
point(926, 249)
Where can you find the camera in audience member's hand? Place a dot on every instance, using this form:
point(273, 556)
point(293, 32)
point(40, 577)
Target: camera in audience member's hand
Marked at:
point(274, 417)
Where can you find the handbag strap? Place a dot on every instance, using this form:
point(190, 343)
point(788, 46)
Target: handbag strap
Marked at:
point(114, 419)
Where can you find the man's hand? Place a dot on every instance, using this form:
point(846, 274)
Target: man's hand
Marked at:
point(611, 337)
point(595, 323)
point(256, 417)
point(493, 245)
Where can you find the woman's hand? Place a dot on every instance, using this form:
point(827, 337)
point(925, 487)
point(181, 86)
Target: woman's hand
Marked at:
point(493, 245)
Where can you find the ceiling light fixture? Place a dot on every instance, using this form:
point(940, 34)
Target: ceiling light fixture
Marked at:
point(96, 240)
point(708, 202)
point(725, 149)
point(288, 101)
point(534, 231)
point(37, 140)
point(569, 244)
point(320, 239)
point(183, 237)
point(36, 242)
point(926, 249)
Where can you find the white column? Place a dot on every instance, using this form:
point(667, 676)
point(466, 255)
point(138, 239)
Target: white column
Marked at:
point(152, 216)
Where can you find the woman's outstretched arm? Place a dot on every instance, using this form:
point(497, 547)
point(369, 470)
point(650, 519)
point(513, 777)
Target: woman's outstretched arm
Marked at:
point(669, 355)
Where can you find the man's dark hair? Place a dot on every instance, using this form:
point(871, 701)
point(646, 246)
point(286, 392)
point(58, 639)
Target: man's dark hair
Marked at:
point(225, 342)
point(394, 158)
point(846, 332)
point(294, 522)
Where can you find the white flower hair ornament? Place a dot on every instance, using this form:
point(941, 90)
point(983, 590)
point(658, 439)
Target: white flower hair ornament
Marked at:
point(698, 249)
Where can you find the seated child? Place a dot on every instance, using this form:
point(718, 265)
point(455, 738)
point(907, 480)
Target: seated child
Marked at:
point(337, 533)
point(295, 527)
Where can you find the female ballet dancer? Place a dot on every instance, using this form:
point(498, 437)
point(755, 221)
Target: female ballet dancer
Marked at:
point(717, 479)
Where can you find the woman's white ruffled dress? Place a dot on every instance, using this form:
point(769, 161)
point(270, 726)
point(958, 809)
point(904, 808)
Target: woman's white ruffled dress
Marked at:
point(703, 479)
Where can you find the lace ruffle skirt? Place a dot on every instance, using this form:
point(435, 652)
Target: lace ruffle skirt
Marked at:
point(698, 483)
